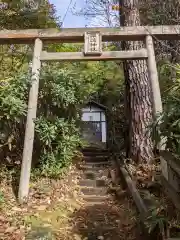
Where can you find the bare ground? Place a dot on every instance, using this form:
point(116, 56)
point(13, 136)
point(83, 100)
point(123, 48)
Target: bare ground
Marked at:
point(55, 211)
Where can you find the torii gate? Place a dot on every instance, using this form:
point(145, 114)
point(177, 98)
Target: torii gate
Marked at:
point(93, 38)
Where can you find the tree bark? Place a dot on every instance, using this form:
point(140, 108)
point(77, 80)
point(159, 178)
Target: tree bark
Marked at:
point(138, 91)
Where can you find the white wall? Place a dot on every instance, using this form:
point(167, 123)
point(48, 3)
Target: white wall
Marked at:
point(93, 115)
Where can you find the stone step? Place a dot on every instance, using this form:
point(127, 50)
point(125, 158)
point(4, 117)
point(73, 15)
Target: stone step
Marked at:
point(106, 229)
point(103, 232)
point(89, 168)
point(94, 168)
point(90, 204)
point(95, 150)
point(95, 198)
point(97, 164)
point(94, 191)
point(90, 174)
point(92, 183)
point(92, 154)
point(96, 159)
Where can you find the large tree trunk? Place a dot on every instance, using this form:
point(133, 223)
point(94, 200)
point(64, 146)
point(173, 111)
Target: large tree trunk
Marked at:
point(138, 91)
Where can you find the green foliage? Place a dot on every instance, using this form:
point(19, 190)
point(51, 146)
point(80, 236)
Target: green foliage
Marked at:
point(63, 90)
point(112, 88)
point(167, 125)
point(20, 15)
point(16, 14)
point(14, 80)
point(13, 98)
point(165, 69)
point(59, 139)
point(154, 12)
point(156, 220)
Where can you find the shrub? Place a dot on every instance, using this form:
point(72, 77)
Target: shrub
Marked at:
point(59, 140)
point(167, 125)
point(61, 93)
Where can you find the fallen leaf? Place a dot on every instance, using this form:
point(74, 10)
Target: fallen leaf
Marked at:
point(76, 237)
point(10, 229)
point(100, 238)
point(41, 208)
point(2, 219)
point(16, 209)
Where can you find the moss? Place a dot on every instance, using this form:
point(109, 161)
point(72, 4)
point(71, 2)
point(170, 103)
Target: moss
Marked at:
point(47, 222)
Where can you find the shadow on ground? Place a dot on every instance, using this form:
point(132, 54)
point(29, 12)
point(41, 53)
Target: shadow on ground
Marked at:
point(106, 221)
point(112, 220)
point(15, 181)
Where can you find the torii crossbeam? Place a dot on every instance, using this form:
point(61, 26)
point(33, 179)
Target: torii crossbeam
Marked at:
point(69, 35)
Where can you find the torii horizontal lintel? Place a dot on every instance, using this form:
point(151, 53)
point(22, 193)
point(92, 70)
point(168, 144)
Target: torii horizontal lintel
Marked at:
point(106, 56)
point(68, 35)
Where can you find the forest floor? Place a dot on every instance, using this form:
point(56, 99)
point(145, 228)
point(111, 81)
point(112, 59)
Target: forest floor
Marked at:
point(55, 210)
point(148, 178)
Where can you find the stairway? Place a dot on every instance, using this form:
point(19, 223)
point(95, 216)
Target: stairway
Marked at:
point(102, 216)
point(95, 175)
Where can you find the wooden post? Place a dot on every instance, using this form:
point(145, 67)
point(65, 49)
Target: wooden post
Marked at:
point(31, 116)
point(156, 94)
point(153, 76)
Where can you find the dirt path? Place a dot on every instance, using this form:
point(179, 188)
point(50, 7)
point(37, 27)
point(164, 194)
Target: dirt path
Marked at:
point(103, 216)
point(108, 221)
point(57, 210)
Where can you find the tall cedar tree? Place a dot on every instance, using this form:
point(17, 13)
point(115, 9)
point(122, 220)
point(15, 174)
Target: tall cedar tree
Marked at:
point(138, 90)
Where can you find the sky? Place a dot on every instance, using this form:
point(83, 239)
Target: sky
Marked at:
point(71, 21)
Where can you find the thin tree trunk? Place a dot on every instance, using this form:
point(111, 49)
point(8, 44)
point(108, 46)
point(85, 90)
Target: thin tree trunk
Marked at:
point(138, 90)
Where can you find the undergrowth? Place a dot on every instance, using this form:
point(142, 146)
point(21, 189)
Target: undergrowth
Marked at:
point(62, 92)
point(166, 127)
